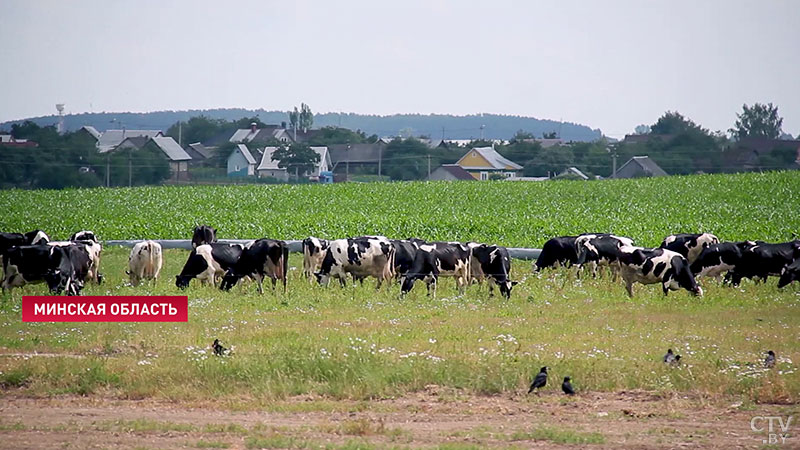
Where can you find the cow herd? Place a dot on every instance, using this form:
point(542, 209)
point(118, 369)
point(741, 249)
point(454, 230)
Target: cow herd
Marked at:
point(678, 262)
point(682, 258)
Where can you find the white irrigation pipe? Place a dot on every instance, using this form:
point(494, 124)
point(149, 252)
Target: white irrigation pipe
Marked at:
point(294, 246)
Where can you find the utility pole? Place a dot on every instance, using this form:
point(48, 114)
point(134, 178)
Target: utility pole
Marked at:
point(429, 165)
point(380, 160)
point(180, 133)
point(482, 127)
point(130, 167)
point(347, 163)
point(613, 151)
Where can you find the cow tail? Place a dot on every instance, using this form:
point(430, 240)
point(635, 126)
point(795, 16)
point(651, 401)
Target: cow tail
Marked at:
point(285, 265)
point(388, 272)
point(306, 259)
point(468, 276)
point(151, 265)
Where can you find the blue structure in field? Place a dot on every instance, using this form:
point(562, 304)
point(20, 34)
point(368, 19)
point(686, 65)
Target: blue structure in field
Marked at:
point(326, 177)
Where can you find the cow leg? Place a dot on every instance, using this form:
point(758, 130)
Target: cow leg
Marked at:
point(491, 287)
point(260, 281)
point(665, 288)
point(629, 286)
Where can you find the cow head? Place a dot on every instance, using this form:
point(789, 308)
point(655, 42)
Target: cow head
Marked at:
point(788, 275)
point(684, 277)
point(229, 280)
point(322, 278)
point(182, 281)
point(505, 288)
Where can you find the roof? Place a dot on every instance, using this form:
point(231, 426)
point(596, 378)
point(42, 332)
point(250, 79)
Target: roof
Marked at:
point(246, 153)
point(577, 172)
point(199, 151)
point(496, 160)
point(91, 130)
point(171, 148)
point(457, 171)
point(648, 166)
point(112, 138)
point(356, 153)
point(265, 134)
point(267, 163)
point(135, 141)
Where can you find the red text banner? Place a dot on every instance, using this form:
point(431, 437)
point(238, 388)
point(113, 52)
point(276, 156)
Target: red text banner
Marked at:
point(165, 308)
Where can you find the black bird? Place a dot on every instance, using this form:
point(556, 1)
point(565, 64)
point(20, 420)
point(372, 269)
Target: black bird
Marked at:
point(539, 381)
point(566, 386)
point(219, 350)
point(769, 362)
point(671, 358)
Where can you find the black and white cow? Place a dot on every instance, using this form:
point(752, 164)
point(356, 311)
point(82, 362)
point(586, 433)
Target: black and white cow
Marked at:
point(790, 273)
point(495, 264)
point(451, 259)
point(207, 262)
point(8, 240)
point(720, 258)
point(657, 265)
point(63, 268)
point(404, 252)
point(264, 258)
point(557, 252)
point(203, 234)
point(601, 249)
point(689, 245)
point(91, 246)
point(360, 257)
point(763, 259)
point(314, 250)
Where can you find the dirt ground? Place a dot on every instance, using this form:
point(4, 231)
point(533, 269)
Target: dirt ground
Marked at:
point(427, 419)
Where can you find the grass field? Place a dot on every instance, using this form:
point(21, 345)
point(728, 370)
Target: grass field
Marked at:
point(335, 363)
point(735, 207)
point(355, 343)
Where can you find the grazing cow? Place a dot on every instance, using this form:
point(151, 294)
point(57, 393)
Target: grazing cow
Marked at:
point(145, 262)
point(207, 262)
point(657, 265)
point(601, 249)
point(314, 251)
point(91, 246)
point(203, 234)
point(8, 240)
point(495, 264)
point(63, 268)
point(361, 257)
point(556, 252)
point(763, 259)
point(404, 253)
point(790, 273)
point(689, 245)
point(440, 259)
point(717, 259)
point(261, 259)
point(84, 236)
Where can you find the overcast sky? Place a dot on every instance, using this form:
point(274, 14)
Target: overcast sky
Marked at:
point(607, 64)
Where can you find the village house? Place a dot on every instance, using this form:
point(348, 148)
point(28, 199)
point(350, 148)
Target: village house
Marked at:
point(482, 162)
point(639, 166)
point(268, 167)
point(241, 162)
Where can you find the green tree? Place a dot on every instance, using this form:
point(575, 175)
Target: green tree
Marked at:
point(758, 120)
point(297, 158)
point(550, 135)
point(521, 135)
point(294, 118)
point(197, 129)
point(672, 122)
point(306, 119)
point(337, 135)
point(407, 159)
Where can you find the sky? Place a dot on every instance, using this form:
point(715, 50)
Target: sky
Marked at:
point(610, 65)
